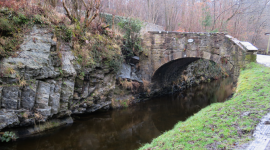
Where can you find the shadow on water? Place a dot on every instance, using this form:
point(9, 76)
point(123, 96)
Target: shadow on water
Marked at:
point(127, 129)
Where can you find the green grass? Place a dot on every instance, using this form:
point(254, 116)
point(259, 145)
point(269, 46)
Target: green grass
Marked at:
point(223, 125)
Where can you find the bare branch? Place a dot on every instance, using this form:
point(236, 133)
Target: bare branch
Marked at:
point(68, 13)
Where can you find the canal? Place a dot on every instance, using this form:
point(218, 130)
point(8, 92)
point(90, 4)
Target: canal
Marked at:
point(129, 128)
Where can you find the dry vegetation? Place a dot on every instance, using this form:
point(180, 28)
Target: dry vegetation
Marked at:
point(93, 43)
point(130, 85)
point(123, 102)
point(46, 126)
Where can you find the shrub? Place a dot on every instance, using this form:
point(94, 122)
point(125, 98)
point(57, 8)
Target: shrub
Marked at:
point(20, 19)
point(98, 49)
point(126, 84)
point(22, 82)
point(7, 136)
point(64, 33)
point(9, 71)
point(129, 85)
point(132, 42)
point(6, 25)
point(38, 19)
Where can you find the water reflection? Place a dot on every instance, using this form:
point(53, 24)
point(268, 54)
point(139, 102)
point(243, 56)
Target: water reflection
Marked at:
point(129, 128)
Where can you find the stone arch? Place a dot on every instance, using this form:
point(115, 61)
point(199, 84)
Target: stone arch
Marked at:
point(170, 71)
point(169, 52)
point(167, 47)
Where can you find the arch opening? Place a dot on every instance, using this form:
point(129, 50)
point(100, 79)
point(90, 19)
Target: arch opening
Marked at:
point(184, 72)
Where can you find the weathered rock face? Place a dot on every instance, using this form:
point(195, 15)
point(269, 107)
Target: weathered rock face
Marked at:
point(10, 97)
point(130, 72)
point(42, 83)
point(8, 119)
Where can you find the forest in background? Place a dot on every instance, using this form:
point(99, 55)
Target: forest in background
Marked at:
point(247, 20)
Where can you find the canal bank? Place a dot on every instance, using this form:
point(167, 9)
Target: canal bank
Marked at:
point(127, 128)
point(223, 125)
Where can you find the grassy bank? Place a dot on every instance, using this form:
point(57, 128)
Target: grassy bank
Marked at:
point(223, 125)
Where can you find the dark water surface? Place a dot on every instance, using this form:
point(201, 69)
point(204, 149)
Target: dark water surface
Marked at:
point(127, 129)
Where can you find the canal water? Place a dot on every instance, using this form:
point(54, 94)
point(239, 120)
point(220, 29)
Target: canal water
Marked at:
point(129, 128)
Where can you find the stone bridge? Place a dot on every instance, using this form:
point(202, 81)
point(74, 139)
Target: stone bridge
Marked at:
point(169, 52)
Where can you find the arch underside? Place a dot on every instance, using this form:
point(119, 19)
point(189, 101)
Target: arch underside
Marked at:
point(168, 70)
point(171, 71)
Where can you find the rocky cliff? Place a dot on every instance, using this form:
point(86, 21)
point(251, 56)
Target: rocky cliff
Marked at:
point(42, 83)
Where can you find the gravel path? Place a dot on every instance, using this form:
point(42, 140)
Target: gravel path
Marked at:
point(264, 59)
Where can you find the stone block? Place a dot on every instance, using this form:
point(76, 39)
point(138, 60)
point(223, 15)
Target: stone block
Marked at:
point(98, 75)
point(191, 53)
point(181, 43)
point(156, 51)
point(55, 93)
point(91, 90)
point(204, 42)
point(35, 55)
point(165, 59)
point(206, 55)
point(166, 52)
point(177, 55)
point(158, 39)
point(67, 66)
point(159, 46)
point(78, 83)
point(215, 51)
point(44, 112)
point(223, 51)
point(8, 119)
point(1, 88)
point(43, 94)
point(10, 97)
point(85, 90)
point(155, 57)
point(215, 58)
point(63, 106)
point(37, 45)
point(76, 96)
point(250, 57)
point(242, 57)
point(67, 89)
point(193, 47)
point(29, 96)
point(110, 78)
point(125, 71)
point(156, 65)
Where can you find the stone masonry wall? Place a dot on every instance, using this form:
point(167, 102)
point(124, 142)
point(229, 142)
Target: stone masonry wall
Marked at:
point(164, 47)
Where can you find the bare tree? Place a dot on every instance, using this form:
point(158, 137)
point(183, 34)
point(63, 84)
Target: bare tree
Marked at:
point(90, 9)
